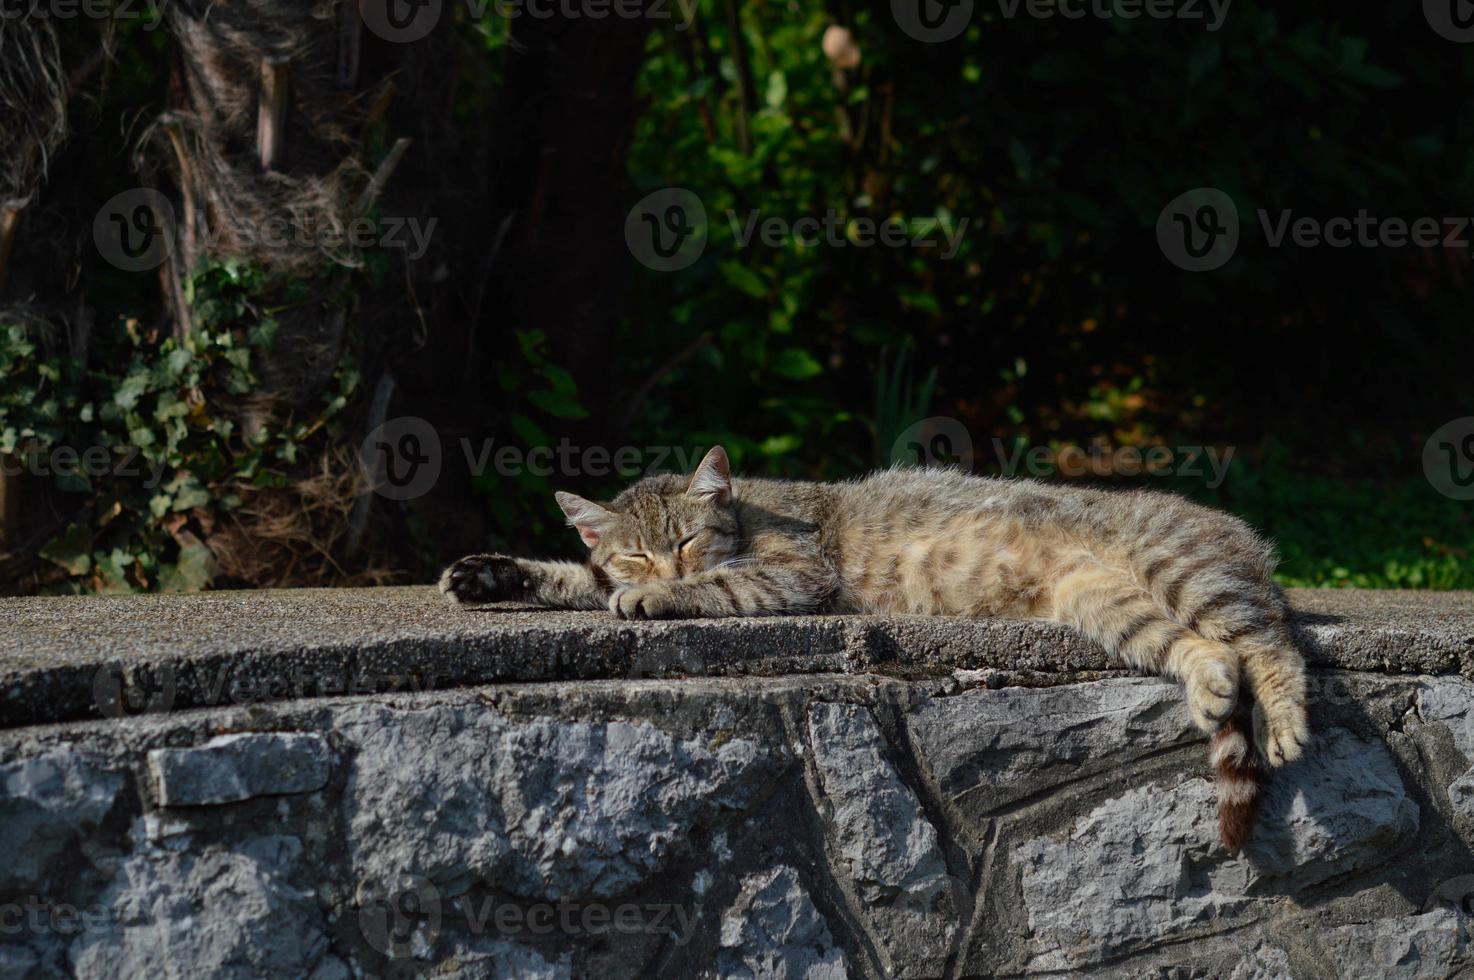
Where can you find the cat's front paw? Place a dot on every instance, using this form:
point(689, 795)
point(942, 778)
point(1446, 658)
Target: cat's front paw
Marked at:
point(643, 602)
point(479, 579)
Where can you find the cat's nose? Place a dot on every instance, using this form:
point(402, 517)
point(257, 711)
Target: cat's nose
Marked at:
point(665, 567)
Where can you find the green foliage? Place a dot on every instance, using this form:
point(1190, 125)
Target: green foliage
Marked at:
point(1336, 533)
point(1037, 155)
point(147, 447)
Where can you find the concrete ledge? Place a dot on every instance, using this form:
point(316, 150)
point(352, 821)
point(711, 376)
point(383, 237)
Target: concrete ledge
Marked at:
point(72, 659)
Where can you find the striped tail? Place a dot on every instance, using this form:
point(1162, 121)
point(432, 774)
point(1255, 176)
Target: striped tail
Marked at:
point(1241, 777)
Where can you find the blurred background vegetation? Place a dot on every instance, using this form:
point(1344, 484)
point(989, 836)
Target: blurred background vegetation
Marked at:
point(1050, 145)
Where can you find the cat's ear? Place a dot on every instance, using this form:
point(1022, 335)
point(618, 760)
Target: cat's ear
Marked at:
point(713, 478)
point(585, 516)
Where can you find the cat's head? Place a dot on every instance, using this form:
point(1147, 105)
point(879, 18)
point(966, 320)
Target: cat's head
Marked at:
point(664, 527)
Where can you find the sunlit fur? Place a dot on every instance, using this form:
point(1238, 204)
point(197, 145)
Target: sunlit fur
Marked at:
point(1167, 586)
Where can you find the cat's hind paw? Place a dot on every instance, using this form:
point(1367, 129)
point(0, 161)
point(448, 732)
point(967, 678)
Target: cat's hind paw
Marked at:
point(1212, 690)
point(1287, 733)
point(479, 579)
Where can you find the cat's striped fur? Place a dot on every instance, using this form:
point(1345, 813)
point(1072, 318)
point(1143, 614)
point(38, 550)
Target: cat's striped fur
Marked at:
point(1169, 587)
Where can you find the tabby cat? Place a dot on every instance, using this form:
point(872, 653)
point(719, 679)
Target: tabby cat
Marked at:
point(1167, 586)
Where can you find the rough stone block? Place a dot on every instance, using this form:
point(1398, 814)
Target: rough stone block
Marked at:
point(886, 845)
point(1147, 865)
point(544, 809)
point(772, 930)
point(1430, 946)
point(48, 801)
point(232, 768)
point(237, 913)
point(1006, 744)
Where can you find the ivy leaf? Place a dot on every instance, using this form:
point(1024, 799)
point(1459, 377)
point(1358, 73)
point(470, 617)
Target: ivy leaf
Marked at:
point(744, 279)
point(72, 550)
point(194, 570)
point(797, 364)
point(558, 404)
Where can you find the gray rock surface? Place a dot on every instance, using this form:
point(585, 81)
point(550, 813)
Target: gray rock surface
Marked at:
point(1147, 865)
point(1266, 962)
point(238, 913)
point(1430, 946)
point(49, 801)
point(887, 847)
point(1001, 745)
point(540, 808)
point(231, 768)
point(501, 959)
point(772, 931)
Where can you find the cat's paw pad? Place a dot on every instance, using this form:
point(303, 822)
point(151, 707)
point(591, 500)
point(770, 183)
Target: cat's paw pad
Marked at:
point(1212, 692)
point(480, 579)
point(642, 602)
point(1287, 735)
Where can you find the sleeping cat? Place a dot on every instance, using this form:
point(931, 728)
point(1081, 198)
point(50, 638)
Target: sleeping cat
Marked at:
point(1167, 586)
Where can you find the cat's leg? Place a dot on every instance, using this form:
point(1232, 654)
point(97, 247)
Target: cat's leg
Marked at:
point(769, 588)
point(479, 579)
point(1250, 616)
point(1106, 605)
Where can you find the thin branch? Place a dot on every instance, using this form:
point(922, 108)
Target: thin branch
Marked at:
point(380, 180)
point(271, 117)
point(637, 401)
point(9, 223)
point(746, 87)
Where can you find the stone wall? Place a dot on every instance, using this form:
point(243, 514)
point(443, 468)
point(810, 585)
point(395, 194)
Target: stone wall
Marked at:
point(875, 820)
